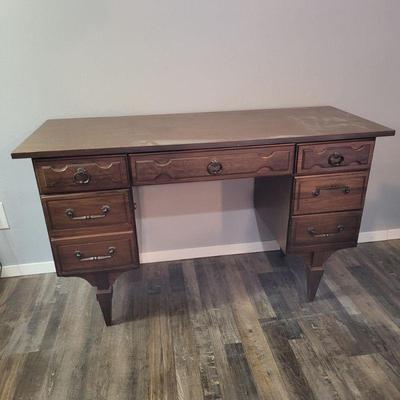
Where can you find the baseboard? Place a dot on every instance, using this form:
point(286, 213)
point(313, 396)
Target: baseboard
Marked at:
point(209, 251)
point(196, 252)
point(27, 269)
point(377, 236)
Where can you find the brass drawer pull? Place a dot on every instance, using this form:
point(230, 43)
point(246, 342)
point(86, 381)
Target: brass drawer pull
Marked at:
point(344, 188)
point(313, 232)
point(69, 212)
point(335, 159)
point(110, 253)
point(215, 168)
point(81, 177)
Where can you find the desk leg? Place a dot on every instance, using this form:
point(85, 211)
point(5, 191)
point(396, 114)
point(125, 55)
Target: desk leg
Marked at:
point(104, 298)
point(103, 282)
point(315, 270)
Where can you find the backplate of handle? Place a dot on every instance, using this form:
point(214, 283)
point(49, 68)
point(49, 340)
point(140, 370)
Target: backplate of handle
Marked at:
point(215, 168)
point(69, 212)
point(81, 176)
point(335, 159)
point(313, 232)
point(344, 188)
point(81, 257)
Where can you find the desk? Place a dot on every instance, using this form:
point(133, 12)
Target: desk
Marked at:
point(311, 168)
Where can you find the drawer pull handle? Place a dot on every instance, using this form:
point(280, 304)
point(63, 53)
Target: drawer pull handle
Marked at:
point(81, 177)
point(335, 159)
point(344, 188)
point(313, 232)
point(69, 212)
point(81, 257)
point(215, 168)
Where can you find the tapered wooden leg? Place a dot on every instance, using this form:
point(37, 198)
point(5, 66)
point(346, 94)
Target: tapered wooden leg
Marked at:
point(315, 270)
point(314, 275)
point(104, 297)
point(103, 282)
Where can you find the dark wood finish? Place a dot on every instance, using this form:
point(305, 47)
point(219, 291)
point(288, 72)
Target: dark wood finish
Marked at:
point(96, 241)
point(333, 192)
point(59, 175)
point(124, 257)
point(185, 335)
point(188, 166)
point(101, 212)
point(323, 157)
point(272, 202)
point(315, 269)
point(134, 134)
point(317, 229)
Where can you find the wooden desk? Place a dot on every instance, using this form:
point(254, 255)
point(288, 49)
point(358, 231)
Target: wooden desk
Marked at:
point(311, 168)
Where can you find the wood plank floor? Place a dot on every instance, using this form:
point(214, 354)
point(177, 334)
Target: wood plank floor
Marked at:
point(234, 327)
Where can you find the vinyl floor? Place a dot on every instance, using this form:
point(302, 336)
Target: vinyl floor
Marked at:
point(231, 327)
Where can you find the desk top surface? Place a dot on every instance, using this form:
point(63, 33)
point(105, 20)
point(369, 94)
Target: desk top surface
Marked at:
point(111, 135)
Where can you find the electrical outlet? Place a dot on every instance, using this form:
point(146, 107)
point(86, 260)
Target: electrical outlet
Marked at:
point(3, 218)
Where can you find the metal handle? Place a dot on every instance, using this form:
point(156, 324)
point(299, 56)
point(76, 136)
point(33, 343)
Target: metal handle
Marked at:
point(335, 159)
point(81, 176)
point(313, 232)
point(344, 188)
point(215, 168)
point(69, 212)
point(81, 257)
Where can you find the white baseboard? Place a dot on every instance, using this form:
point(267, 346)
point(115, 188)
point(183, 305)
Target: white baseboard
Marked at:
point(28, 269)
point(377, 236)
point(209, 251)
point(197, 252)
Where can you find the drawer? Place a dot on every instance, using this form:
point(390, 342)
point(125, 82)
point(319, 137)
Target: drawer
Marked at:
point(74, 214)
point(334, 156)
point(331, 192)
point(81, 174)
point(95, 253)
point(317, 229)
point(185, 166)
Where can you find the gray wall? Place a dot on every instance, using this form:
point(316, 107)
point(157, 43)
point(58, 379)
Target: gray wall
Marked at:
point(95, 58)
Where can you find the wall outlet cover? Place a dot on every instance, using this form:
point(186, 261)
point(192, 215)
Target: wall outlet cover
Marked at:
point(3, 218)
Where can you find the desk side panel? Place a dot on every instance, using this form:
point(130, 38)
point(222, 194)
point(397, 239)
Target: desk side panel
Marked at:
point(272, 202)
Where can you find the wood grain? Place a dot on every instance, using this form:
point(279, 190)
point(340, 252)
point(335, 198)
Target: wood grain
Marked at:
point(124, 255)
point(147, 133)
point(118, 214)
point(186, 166)
point(319, 157)
point(327, 193)
point(198, 330)
point(58, 175)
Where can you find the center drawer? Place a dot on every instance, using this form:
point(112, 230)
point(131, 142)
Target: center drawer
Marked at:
point(186, 166)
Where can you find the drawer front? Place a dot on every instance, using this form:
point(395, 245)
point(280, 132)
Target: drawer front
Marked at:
point(185, 166)
point(95, 253)
point(334, 157)
point(85, 212)
point(81, 174)
point(317, 229)
point(333, 192)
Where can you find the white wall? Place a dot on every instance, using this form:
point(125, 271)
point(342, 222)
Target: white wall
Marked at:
point(96, 57)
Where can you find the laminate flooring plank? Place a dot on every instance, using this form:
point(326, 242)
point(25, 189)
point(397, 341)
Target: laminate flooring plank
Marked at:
point(162, 375)
point(184, 344)
point(265, 371)
point(279, 334)
point(242, 377)
point(209, 375)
